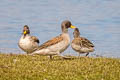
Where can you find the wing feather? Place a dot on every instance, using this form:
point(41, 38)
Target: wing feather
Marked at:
point(51, 42)
point(83, 42)
point(35, 39)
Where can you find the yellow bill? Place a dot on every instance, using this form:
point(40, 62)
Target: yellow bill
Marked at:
point(25, 32)
point(72, 26)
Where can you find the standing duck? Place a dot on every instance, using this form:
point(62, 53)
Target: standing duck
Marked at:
point(58, 44)
point(81, 44)
point(27, 42)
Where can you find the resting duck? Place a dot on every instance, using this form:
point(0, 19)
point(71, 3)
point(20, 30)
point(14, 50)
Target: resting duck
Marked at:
point(58, 44)
point(81, 44)
point(27, 42)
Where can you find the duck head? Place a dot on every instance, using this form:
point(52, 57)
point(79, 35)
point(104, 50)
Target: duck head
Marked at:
point(26, 30)
point(76, 33)
point(65, 25)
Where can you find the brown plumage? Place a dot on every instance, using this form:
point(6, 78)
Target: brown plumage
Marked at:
point(81, 44)
point(27, 42)
point(35, 39)
point(58, 44)
point(51, 42)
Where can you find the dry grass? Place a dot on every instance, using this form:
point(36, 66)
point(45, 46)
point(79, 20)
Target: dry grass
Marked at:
point(25, 67)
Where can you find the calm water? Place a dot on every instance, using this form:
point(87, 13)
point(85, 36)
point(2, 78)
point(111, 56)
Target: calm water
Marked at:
point(97, 20)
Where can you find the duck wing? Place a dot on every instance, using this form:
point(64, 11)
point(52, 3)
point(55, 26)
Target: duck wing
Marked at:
point(82, 42)
point(35, 39)
point(86, 43)
point(51, 42)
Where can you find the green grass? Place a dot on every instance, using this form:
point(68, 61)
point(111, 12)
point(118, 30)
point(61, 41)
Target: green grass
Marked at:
point(26, 67)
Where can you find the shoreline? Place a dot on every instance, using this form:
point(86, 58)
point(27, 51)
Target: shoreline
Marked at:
point(27, 67)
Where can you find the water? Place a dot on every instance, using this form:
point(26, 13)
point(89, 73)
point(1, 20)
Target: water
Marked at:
point(97, 20)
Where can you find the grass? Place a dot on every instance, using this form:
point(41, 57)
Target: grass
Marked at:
point(26, 67)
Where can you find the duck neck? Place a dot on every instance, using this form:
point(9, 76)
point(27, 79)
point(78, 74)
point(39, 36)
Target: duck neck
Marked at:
point(64, 29)
point(24, 35)
point(76, 36)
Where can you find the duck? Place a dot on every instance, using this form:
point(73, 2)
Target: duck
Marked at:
point(58, 44)
point(81, 44)
point(27, 42)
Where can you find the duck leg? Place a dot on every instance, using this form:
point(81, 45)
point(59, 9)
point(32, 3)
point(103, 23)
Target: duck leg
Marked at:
point(87, 54)
point(79, 55)
point(51, 57)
